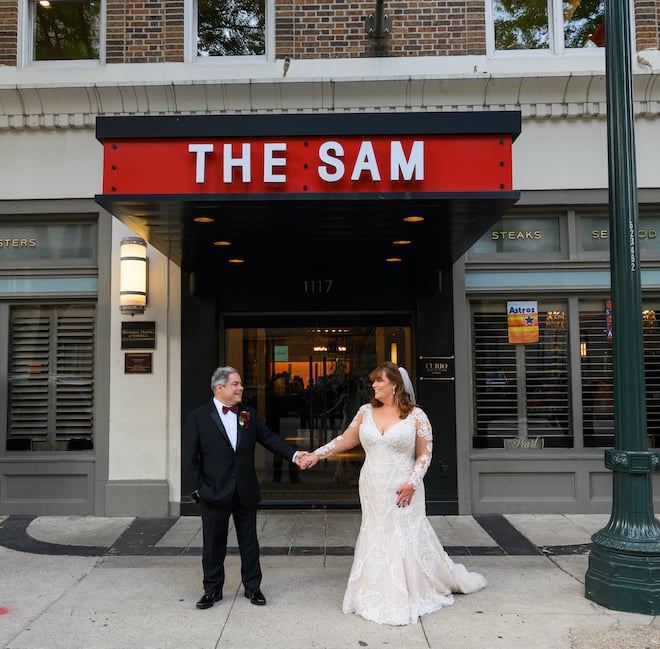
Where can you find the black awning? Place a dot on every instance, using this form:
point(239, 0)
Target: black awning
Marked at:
point(321, 230)
point(148, 127)
point(309, 228)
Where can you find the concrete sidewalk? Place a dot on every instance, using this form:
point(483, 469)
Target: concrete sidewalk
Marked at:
point(132, 584)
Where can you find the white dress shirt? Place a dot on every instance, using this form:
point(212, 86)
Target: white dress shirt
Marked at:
point(229, 421)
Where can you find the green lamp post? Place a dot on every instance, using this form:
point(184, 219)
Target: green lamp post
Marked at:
point(624, 564)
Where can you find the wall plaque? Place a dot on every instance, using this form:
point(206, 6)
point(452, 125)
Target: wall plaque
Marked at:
point(138, 363)
point(138, 335)
point(436, 368)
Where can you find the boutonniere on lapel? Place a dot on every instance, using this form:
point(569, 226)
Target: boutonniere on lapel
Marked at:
point(243, 418)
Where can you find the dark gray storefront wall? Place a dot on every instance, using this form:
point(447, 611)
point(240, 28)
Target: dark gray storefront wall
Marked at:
point(47, 485)
point(71, 482)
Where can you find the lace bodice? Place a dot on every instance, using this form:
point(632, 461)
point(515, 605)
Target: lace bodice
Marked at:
point(405, 446)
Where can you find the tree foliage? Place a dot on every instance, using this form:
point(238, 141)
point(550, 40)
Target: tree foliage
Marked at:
point(588, 15)
point(67, 30)
point(524, 24)
point(231, 27)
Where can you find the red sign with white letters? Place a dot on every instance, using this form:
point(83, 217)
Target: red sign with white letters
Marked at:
point(314, 165)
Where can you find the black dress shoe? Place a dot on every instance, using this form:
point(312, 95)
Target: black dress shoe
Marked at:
point(208, 599)
point(256, 597)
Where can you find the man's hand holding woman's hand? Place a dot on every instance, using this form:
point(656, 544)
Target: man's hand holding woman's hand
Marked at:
point(306, 460)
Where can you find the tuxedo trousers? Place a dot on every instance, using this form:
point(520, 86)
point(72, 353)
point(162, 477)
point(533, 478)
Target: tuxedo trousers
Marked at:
point(215, 528)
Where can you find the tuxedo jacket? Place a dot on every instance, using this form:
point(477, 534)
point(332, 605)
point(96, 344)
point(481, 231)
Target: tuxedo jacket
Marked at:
point(215, 469)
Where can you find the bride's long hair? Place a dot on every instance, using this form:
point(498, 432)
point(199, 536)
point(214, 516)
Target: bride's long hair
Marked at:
point(402, 399)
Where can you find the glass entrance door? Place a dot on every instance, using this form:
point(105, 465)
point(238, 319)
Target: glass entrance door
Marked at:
point(307, 383)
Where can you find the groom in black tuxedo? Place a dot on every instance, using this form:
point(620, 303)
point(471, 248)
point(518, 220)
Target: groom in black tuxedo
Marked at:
point(218, 451)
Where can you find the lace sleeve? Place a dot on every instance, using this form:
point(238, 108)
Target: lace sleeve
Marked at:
point(348, 439)
point(423, 447)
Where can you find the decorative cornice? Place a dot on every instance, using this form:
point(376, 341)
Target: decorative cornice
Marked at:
point(565, 97)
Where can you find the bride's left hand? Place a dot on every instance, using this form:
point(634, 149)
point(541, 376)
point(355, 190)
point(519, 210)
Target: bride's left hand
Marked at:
point(404, 494)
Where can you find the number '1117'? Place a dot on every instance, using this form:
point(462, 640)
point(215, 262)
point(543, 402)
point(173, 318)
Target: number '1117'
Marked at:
point(317, 286)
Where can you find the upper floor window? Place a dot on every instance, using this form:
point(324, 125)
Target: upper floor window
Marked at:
point(231, 27)
point(64, 30)
point(550, 25)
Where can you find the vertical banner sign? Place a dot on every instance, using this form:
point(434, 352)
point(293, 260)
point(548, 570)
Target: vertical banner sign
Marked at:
point(608, 320)
point(523, 322)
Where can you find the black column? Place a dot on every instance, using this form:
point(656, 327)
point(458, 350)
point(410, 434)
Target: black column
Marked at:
point(435, 338)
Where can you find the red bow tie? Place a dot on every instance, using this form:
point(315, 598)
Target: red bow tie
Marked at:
point(226, 409)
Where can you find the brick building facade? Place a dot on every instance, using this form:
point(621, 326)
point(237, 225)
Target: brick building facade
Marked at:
point(149, 31)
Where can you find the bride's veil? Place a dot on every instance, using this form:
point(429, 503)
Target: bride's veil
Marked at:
point(407, 383)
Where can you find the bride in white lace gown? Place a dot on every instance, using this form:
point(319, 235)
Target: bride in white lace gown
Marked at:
point(400, 569)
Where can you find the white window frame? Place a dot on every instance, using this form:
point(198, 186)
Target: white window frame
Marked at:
point(190, 44)
point(26, 15)
point(555, 34)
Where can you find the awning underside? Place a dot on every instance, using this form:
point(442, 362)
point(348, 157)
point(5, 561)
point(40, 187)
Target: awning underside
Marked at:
point(308, 232)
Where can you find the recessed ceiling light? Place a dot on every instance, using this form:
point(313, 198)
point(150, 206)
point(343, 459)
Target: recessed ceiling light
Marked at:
point(402, 242)
point(236, 260)
point(393, 260)
point(222, 243)
point(413, 219)
point(204, 219)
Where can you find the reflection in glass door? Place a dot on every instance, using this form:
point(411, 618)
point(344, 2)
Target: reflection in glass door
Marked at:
point(307, 383)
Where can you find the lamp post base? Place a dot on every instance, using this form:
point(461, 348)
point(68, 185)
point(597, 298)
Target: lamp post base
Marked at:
point(624, 582)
